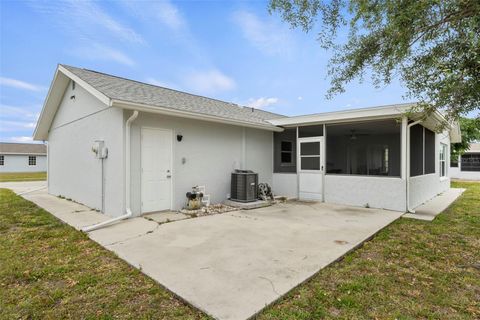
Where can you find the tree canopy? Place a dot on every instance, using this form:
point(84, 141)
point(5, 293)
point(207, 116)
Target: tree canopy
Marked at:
point(433, 46)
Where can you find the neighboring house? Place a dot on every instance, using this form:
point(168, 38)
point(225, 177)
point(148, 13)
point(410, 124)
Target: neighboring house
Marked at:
point(23, 157)
point(153, 144)
point(467, 166)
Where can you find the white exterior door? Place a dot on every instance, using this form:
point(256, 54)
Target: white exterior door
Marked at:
point(310, 168)
point(156, 155)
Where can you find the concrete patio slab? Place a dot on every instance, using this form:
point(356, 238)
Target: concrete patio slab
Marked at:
point(232, 265)
point(166, 216)
point(430, 209)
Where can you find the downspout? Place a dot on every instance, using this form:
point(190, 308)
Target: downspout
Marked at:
point(408, 164)
point(128, 213)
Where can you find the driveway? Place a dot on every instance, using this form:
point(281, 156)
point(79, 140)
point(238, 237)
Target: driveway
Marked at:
point(232, 265)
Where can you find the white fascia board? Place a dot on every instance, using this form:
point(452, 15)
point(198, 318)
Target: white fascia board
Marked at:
point(342, 116)
point(46, 115)
point(191, 115)
point(456, 133)
point(100, 96)
point(54, 97)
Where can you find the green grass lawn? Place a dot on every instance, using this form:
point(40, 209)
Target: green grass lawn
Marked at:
point(48, 270)
point(412, 269)
point(22, 176)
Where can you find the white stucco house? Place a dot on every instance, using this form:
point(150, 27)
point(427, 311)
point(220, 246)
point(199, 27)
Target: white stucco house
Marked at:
point(467, 166)
point(23, 157)
point(161, 142)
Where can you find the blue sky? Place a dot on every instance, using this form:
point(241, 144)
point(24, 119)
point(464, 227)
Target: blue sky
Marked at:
point(233, 51)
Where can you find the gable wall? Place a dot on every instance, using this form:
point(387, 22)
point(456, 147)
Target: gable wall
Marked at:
point(73, 171)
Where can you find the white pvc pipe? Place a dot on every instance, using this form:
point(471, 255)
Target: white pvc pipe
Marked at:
point(128, 213)
point(408, 164)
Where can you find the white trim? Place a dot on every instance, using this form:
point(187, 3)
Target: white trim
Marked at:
point(299, 156)
point(403, 148)
point(56, 91)
point(407, 156)
point(172, 173)
point(323, 164)
point(297, 163)
point(319, 173)
point(90, 89)
point(345, 115)
point(42, 113)
point(191, 115)
point(441, 147)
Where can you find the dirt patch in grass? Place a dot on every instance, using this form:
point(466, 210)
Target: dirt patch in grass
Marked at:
point(22, 176)
point(411, 270)
point(49, 270)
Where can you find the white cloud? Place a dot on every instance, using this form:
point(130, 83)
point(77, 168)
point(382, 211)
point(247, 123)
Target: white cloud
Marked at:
point(261, 103)
point(163, 12)
point(86, 20)
point(19, 84)
point(209, 81)
point(169, 15)
point(300, 98)
point(97, 51)
point(10, 126)
point(269, 37)
point(24, 112)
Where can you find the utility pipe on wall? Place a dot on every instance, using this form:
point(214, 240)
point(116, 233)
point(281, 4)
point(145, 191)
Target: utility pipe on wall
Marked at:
point(128, 213)
point(408, 164)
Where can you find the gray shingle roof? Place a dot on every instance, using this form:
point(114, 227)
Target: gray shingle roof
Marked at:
point(22, 148)
point(118, 88)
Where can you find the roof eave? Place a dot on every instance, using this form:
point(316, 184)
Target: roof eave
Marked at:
point(54, 97)
point(343, 116)
point(191, 115)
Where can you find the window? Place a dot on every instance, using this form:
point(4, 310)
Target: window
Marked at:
point(470, 162)
point(310, 155)
point(286, 152)
point(310, 131)
point(443, 160)
point(370, 148)
point(2, 160)
point(32, 160)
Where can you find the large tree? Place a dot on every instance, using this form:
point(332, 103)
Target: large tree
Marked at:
point(433, 46)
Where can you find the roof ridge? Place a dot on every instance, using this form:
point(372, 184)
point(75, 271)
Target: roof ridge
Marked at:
point(153, 85)
point(266, 111)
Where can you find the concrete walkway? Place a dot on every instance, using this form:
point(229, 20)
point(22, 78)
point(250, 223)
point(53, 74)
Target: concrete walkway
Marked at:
point(430, 209)
point(234, 264)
